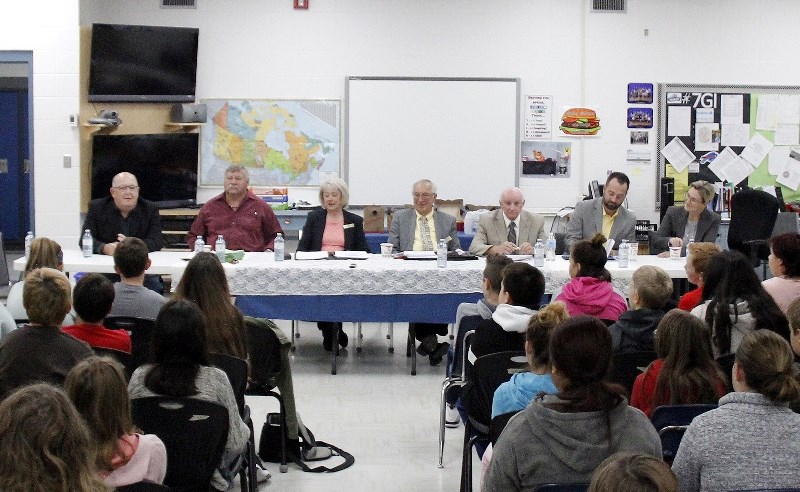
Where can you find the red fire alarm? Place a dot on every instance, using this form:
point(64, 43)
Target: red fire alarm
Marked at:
point(301, 4)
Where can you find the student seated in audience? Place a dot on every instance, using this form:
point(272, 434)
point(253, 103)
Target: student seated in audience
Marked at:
point(784, 263)
point(40, 351)
point(684, 372)
point(44, 443)
point(44, 253)
point(521, 291)
point(735, 303)
point(697, 256)
point(131, 297)
point(651, 288)
point(92, 300)
point(793, 315)
point(590, 291)
point(98, 389)
point(752, 440)
point(7, 323)
point(562, 438)
point(629, 472)
point(181, 369)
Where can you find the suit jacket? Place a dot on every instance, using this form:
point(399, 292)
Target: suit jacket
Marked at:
point(587, 220)
point(105, 222)
point(404, 224)
point(354, 239)
point(492, 230)
point(674, 225)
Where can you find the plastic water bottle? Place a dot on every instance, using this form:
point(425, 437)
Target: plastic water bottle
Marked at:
point(28, 241)
point(441, 254)
point(279, 247)
point(624, 253)
point(198, 244)
point(219, 247)
point(551, 247)
point(538, 254)
point(88, 243)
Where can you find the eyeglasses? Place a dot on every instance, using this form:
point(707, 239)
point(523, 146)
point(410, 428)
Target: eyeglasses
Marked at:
point(422, 195)
point(126, 188)
point(691, 199)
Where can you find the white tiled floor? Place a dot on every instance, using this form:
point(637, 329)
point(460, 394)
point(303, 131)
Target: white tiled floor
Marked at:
point(374, 409)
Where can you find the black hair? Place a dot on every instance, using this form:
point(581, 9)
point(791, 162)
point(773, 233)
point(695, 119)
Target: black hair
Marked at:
point(524, 283)
point(92, 297)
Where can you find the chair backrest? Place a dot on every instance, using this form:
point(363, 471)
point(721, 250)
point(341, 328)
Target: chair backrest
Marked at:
point(236, 369)
point(627, 365)
point(143, 487)
point(141, 332)
point(4, 278)
point(193, 431)
point(671, 422)
point(785, 222)
point(123, 358)
point(264, 351)
point(498, 424)
point(563, 487)
point(467, 324)
point(753, 214)
point(488, 372)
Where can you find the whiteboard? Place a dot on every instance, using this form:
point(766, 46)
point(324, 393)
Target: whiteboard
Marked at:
point(461, 133)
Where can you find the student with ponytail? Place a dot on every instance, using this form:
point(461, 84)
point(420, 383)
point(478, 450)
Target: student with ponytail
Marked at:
point(752, 440)
point(562, 438)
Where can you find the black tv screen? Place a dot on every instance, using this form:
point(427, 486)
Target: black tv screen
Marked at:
point(143, 63)
point(164, 164)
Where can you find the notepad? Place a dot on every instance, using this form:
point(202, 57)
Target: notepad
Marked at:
point(311, 255)
point(351, 255)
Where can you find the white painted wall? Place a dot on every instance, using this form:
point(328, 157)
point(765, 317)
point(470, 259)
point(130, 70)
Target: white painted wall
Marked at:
point(265, 49)
point(49, 28)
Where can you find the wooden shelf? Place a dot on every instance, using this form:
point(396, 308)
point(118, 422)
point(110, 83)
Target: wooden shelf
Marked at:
point(182, 126)
point(96, 127)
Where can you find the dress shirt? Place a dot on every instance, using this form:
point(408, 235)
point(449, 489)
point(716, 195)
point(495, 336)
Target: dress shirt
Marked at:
point(608, 222)
point(516, 225)
point(418, 232)
point(251, 227)
point(105, 222)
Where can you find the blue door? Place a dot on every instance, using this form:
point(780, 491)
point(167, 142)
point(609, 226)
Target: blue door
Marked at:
point(14, 165)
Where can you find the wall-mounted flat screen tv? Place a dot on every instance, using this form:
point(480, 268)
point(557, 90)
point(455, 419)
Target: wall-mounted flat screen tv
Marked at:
point(143, 63)
point(164, 164)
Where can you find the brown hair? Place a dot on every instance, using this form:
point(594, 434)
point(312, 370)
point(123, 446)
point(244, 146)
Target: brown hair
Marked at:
point(44, 443)
point(205, 284)
point(44, 253)
point(699, 254)
point(689, 373)
point(130, 257)
point(653, 285)
point(628, 472)
point(793, 315)
point(592, 257)
point(98, 389)
point(524, 283)
point(786, 247)
point(766, 360)
point(493, 271)
point(539, 328)
point(46, 296)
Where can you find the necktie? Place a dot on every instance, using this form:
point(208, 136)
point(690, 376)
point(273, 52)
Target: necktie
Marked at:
point(512, 233)
point(425, 229)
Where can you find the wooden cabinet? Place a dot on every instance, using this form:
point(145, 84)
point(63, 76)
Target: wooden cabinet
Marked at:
point(175, 224)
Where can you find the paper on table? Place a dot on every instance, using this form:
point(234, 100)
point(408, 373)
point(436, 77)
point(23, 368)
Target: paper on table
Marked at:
point(735, 134)
point(419, 254)
point(777, 159)
point(767, 112)
point(609, 246)
point(787, 135)
point(788, 109)
point(520, 257)
point(706, 136)
point(351, 255)
point(678, 154)
point(680, 121)
point(756, 150)
point(732, 108)
point(310, 255)
point(790, 174)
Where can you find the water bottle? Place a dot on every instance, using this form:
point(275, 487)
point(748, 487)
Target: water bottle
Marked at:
point(219, 247)
point(624, 253)
point(279, 247)
point(28, 241)
point(538, 254)
point(551, 247)
point(441, 254)
point(88, 244)
point(198, 244)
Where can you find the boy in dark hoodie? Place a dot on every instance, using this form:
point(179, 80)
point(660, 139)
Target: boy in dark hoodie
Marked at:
point(651, 288)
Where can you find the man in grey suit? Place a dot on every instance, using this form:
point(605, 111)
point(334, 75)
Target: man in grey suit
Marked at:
point(509, 230)
point(420, 229)
point(604, 214)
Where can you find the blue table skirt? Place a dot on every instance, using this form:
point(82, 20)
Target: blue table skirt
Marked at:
point(374, 240)
point(421, 308)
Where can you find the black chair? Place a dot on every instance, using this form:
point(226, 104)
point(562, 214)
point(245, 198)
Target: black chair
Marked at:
point(486, 374)
point(457, 378)
point(563, 487)
point(143, 487)
point(193, 431)
point(123, 358)
point(141, 332)
point(626, 366)
point(236, 369)
point(726, 364)
point(5, 279)
point(498, 424)
point(671, 422)
point(753, 214)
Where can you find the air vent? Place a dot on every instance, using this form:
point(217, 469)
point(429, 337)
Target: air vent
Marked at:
point(608, 6)
point(178, 4)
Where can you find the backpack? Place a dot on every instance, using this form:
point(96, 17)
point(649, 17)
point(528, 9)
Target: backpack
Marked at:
point(304, 448)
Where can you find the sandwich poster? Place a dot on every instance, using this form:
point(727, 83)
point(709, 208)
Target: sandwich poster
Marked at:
point(579, 122)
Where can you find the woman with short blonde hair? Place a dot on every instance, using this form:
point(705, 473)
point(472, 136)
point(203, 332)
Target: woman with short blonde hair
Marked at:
point(692, 222)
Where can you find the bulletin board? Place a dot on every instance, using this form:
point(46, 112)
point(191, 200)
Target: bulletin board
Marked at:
point(729, 135)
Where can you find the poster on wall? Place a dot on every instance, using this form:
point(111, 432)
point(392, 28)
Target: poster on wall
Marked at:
point(538, 117)
point(579, 122)
point(640, 93)
point(280, 142)
point(640, 117)
point(545, 159)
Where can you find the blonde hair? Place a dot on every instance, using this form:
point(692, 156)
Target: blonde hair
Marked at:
point(766, 360)
point(700, 253)
point(45, 444)
point(46, 296)
point(628, 472)
point(335, 184)
point(653, 285)
point(705, 189)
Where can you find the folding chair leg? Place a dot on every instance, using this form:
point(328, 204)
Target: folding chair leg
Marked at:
point(466, 460)
point(335, 350)
point(451, 328)
point(390, 337)
point(359, 336)
point(442, 416)
point(411, 348)
point(291, 339)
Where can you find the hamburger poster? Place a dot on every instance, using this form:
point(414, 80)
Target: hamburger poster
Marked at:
point(579, 122)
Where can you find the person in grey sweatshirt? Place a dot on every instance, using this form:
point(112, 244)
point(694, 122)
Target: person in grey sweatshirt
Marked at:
point(562, 438)
point(752, 440)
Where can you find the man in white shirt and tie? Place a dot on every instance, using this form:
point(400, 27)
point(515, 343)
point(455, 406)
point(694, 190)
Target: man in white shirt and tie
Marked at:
point(509, 230)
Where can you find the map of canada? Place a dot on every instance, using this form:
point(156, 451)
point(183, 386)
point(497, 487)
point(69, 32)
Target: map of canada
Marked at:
point(281, 142)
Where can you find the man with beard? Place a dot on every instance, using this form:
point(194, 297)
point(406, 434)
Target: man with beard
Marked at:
point(604, 214)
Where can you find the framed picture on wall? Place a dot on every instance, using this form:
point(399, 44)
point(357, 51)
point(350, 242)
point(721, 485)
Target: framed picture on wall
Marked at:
point(640, 117)
point(640, 93)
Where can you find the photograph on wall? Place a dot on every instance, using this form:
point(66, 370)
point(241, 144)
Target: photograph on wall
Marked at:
point(640, 137)
point(280, 142)
point(541, 159)
point(640, 93)
point(579, 122)
point(640, 118)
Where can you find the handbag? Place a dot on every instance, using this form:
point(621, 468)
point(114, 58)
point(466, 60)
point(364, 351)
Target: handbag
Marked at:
point(298, 451)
